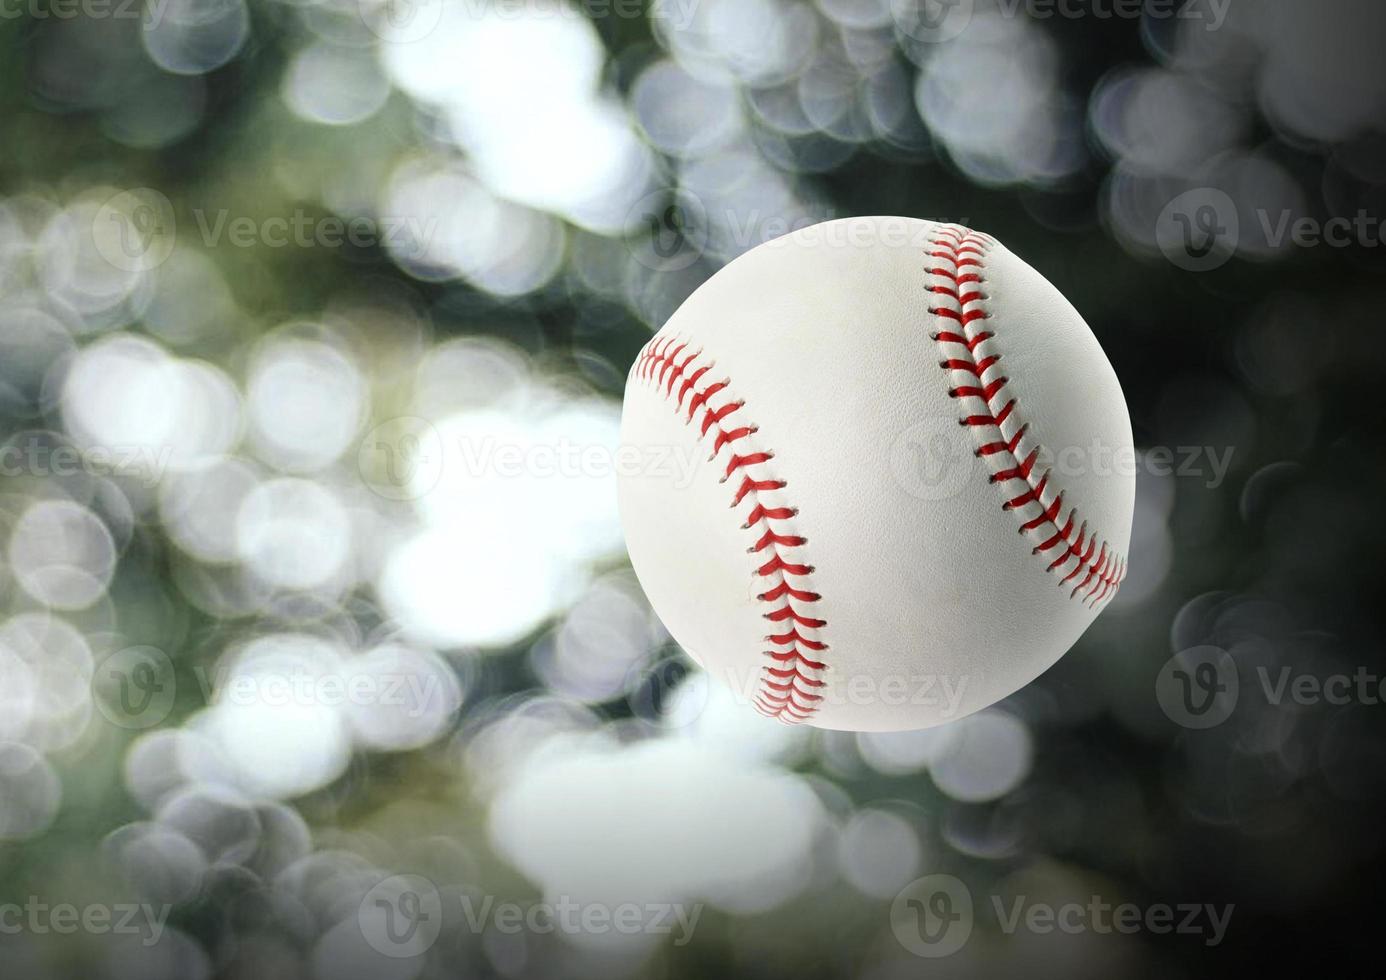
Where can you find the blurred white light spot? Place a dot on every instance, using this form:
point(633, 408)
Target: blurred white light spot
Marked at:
point(403, 698)
point(306, 403)
point(220, 821)
point(987, 755)
point(525, 502)
point(345, 952)
point(759, 42)
point(902, 753)
point(467, 583)
point(715, 716)
point(334, 85)
point(470, 372)
point(1012, 129)
point(191, 298)
point(75, 251)
point(1163, 122)
point(161, 763)
point(50, 665)
point(575, 152)
point(190, 37)
point(478, 45)
point(683, 115)
point(457, 227)
point(62, 554)
point(194, 502)
point(604, 634)
point(175, 956)
point(277, 715)
point(30, 792)
point(293, 533)
point(116, 397)
point(662, 821)
point(159, 863)
point(879, 852)
point(31, 341)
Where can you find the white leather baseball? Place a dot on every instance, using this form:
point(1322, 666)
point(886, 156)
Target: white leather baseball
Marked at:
point(910, 498)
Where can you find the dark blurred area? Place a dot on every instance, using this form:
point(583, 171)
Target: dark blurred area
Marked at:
point(314, 611)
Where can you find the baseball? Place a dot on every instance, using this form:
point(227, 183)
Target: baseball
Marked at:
point(909, 497)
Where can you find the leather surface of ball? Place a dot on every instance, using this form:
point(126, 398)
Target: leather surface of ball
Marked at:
point(912, 482)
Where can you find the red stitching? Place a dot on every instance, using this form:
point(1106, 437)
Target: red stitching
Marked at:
point(788, 685)
point(1100, 567)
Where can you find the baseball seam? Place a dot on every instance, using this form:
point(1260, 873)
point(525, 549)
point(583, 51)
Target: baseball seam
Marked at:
point(957, 267)
point(789, 688)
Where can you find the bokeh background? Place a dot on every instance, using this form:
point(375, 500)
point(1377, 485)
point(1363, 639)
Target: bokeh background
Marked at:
point(279, 279)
